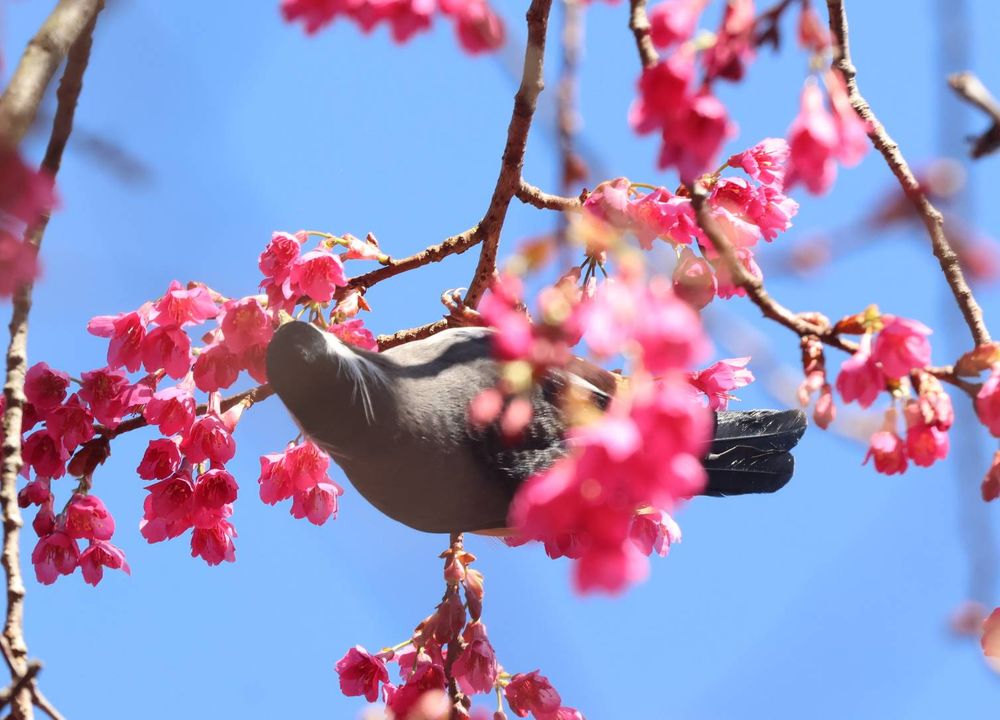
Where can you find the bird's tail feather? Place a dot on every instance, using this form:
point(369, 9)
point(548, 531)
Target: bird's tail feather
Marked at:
point(750, 451)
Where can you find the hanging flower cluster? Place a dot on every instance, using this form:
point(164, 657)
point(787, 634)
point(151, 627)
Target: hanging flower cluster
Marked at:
point(203, 342)
point(477, 26)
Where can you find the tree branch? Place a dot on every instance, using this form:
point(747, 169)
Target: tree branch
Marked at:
point(509, 180)
point(45, 52)
point(71, 22)
point(639, 23)
point(531, 195)
point(971, 89)
point(897, 163)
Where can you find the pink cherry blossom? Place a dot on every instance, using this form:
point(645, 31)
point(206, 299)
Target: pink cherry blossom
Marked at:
point(478, 28)
point(281, 252)
point(693, 280)
point(318, 504)
point(18, 259)
point(988, 402)
point(184, 307)
point(662, 92)
point(216, 368)
point(887, 450)
point(813, 143)
point(926, 444)
point(852, 131)
point(764, 162)
point(209, 439)
point(733, 49)
point(127, 332)
point(87, 518)
point(45, 519)
point(171, 409)
point(55, 554)
point(45, 454)
point(36, 492)
point(167, 347)
point(317, 275)
point(476, 668)
point(215, 488)
point(860, 378)
point(426, 675)
point(99, 555)
point(361, 673)
point(161, 459)
point(254, 361)
point(730, 201)
point(72, 423)
point(532, 693)
point(727, 287)
point(514, 337)
point(44, 387)
point(694, 137)
point(718, 379)
point(990, 640)
point(25, 193)
point(674, 21)
point(654, 531)
point(902, 346)
point(825, 411)
point(354, 332)
point(991, 482)
point(245, 323)
point(214, 544)
point(299, 468)
point(609, 202)
point(171, 501)
point(771, 211)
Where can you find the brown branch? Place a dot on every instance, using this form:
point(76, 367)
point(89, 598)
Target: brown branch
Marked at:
point(75, 21)
point(572, 168)
point(531, 195)
point(45, 52)
point(931, 217)
point(23, 682)
point(44, 704)
point(509, 180)
point(248, 397)
point(638, 22)
point(971, 89)
point(458, 704)
point(401, 337)
point(774, 310)
point(434, 253)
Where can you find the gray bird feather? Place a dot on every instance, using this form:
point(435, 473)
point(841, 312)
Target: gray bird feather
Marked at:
point(397, 424)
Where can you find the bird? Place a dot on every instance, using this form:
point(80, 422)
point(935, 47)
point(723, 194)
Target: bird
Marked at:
point(397, 424)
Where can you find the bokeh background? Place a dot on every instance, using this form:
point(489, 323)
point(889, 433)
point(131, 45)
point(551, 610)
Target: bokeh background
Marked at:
point(205, 126)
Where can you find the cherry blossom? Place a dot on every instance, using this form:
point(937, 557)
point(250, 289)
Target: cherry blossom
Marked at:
point(361, 673)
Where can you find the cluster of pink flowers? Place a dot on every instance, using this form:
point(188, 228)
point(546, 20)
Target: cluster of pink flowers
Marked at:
point(892, 356)
point(746, 210)
point(25, 194)
point(457, 628)
point(477, 26)
point(819, 137)
point(191, 488)
point(605, 503)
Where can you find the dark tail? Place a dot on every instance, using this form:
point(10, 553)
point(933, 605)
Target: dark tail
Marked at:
point(750, 451)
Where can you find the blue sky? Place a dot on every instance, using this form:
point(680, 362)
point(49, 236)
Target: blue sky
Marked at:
point(828, 600)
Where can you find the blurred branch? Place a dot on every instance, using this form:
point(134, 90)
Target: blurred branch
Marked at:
point(530, 195)
point(75, 21)
point(971, 89)
point(897, 163)
point(45, 52)
point(638, 22)
point(509, 180)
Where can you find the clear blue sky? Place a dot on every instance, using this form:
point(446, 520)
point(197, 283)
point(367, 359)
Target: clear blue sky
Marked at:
point(828, 600)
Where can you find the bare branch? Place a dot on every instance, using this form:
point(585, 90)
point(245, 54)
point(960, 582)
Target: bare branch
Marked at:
point(931, 217)
point(16, 113)
point(509, 180)
point(971, 89)
point(401, 337)
point(531, 195)
point(639, 24)
point(45, 52)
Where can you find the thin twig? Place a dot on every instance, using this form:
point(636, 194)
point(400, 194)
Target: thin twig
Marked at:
point(45, 52)
point(897, 163)
point(531, 195)
point(639, 23)
point(509, 180)
point(971, 89)
point(572, 168)
point(774, 310)
point(15, 115)
point(434, 253)
point(401, 337)
point(458, 705)
point(44, 704)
